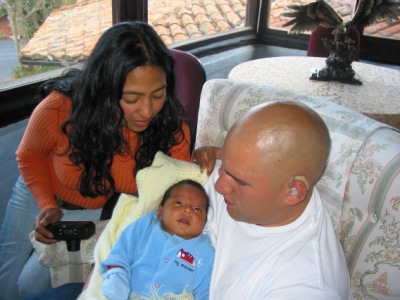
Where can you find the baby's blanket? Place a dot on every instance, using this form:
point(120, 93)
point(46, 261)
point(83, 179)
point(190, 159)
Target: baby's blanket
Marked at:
point(152, 182)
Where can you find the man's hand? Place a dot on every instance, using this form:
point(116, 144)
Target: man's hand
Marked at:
point(206, 157)
point(47, 216)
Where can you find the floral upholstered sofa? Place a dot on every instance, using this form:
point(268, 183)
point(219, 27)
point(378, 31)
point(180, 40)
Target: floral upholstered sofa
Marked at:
point(361, 186)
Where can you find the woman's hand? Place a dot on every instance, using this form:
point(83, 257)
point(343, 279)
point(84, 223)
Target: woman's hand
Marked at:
point(47, 216)
point(206, 156)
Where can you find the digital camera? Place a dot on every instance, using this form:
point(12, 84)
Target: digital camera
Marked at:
point(72, 232)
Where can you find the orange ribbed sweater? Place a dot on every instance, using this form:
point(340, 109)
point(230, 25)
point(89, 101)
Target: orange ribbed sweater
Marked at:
point(48, 174)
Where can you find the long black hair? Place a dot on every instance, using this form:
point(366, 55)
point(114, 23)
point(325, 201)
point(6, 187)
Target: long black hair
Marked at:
point(94, 128)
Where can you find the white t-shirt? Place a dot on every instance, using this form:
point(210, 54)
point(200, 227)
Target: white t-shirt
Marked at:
point(301, 260)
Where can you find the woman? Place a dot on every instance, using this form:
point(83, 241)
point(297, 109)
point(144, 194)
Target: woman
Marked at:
point(86, 141)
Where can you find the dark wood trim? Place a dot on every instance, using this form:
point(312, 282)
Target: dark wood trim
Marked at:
point(380, 50)
point(283, 39)
point(252, 13)
point(372, 48)
point(18, 98)
point(128, 10)
point(17, 104)
point(116, 10)
point(220, 42)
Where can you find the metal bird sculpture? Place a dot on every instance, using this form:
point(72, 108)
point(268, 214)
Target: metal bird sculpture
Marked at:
point(310, 16)
point(342, 51)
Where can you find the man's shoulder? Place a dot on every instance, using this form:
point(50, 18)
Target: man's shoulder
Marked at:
point(315, 264)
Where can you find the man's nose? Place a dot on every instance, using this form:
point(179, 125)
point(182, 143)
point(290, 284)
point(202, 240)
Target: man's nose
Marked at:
point(223, 185)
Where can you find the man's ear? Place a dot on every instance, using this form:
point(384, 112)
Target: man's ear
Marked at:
point(297, 192)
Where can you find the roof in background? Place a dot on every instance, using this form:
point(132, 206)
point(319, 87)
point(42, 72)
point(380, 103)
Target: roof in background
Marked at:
point(70, 33)
point(178, 20)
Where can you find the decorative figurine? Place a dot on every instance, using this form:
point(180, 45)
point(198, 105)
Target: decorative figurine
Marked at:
point(342, 50)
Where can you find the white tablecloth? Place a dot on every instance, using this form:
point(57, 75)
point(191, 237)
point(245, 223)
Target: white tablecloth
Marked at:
point(378, 97)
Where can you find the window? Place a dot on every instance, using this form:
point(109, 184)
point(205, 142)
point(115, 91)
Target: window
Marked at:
point(276, 21)
point(188, 24)
point(378, 41)
point(21, 21)
point(67, 30)
point(180, 20)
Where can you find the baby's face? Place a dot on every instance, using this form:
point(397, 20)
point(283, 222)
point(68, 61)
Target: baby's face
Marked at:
point(184, 212)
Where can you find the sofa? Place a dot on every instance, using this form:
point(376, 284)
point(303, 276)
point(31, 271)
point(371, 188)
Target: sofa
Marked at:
point(360, 187)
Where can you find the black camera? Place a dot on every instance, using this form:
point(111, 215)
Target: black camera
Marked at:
point(72, 232)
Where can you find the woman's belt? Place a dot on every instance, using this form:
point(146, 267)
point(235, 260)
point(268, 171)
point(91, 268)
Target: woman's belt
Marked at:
point(68, 206)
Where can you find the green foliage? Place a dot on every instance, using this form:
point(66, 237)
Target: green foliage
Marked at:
point(25, 71)
point(3, 9)
point(49, 5)
point(37, 10)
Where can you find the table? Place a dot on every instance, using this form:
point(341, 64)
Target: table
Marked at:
point(378, 97)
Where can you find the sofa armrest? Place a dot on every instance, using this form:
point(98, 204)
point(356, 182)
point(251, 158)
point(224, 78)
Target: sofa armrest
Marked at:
point(370, 223)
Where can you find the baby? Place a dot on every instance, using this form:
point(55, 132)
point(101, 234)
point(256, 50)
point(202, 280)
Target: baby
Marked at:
point(164, 253)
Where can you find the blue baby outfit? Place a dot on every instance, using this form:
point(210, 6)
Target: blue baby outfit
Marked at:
point(152, 259)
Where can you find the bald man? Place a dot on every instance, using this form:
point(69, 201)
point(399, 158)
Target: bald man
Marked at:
point(274, 239)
